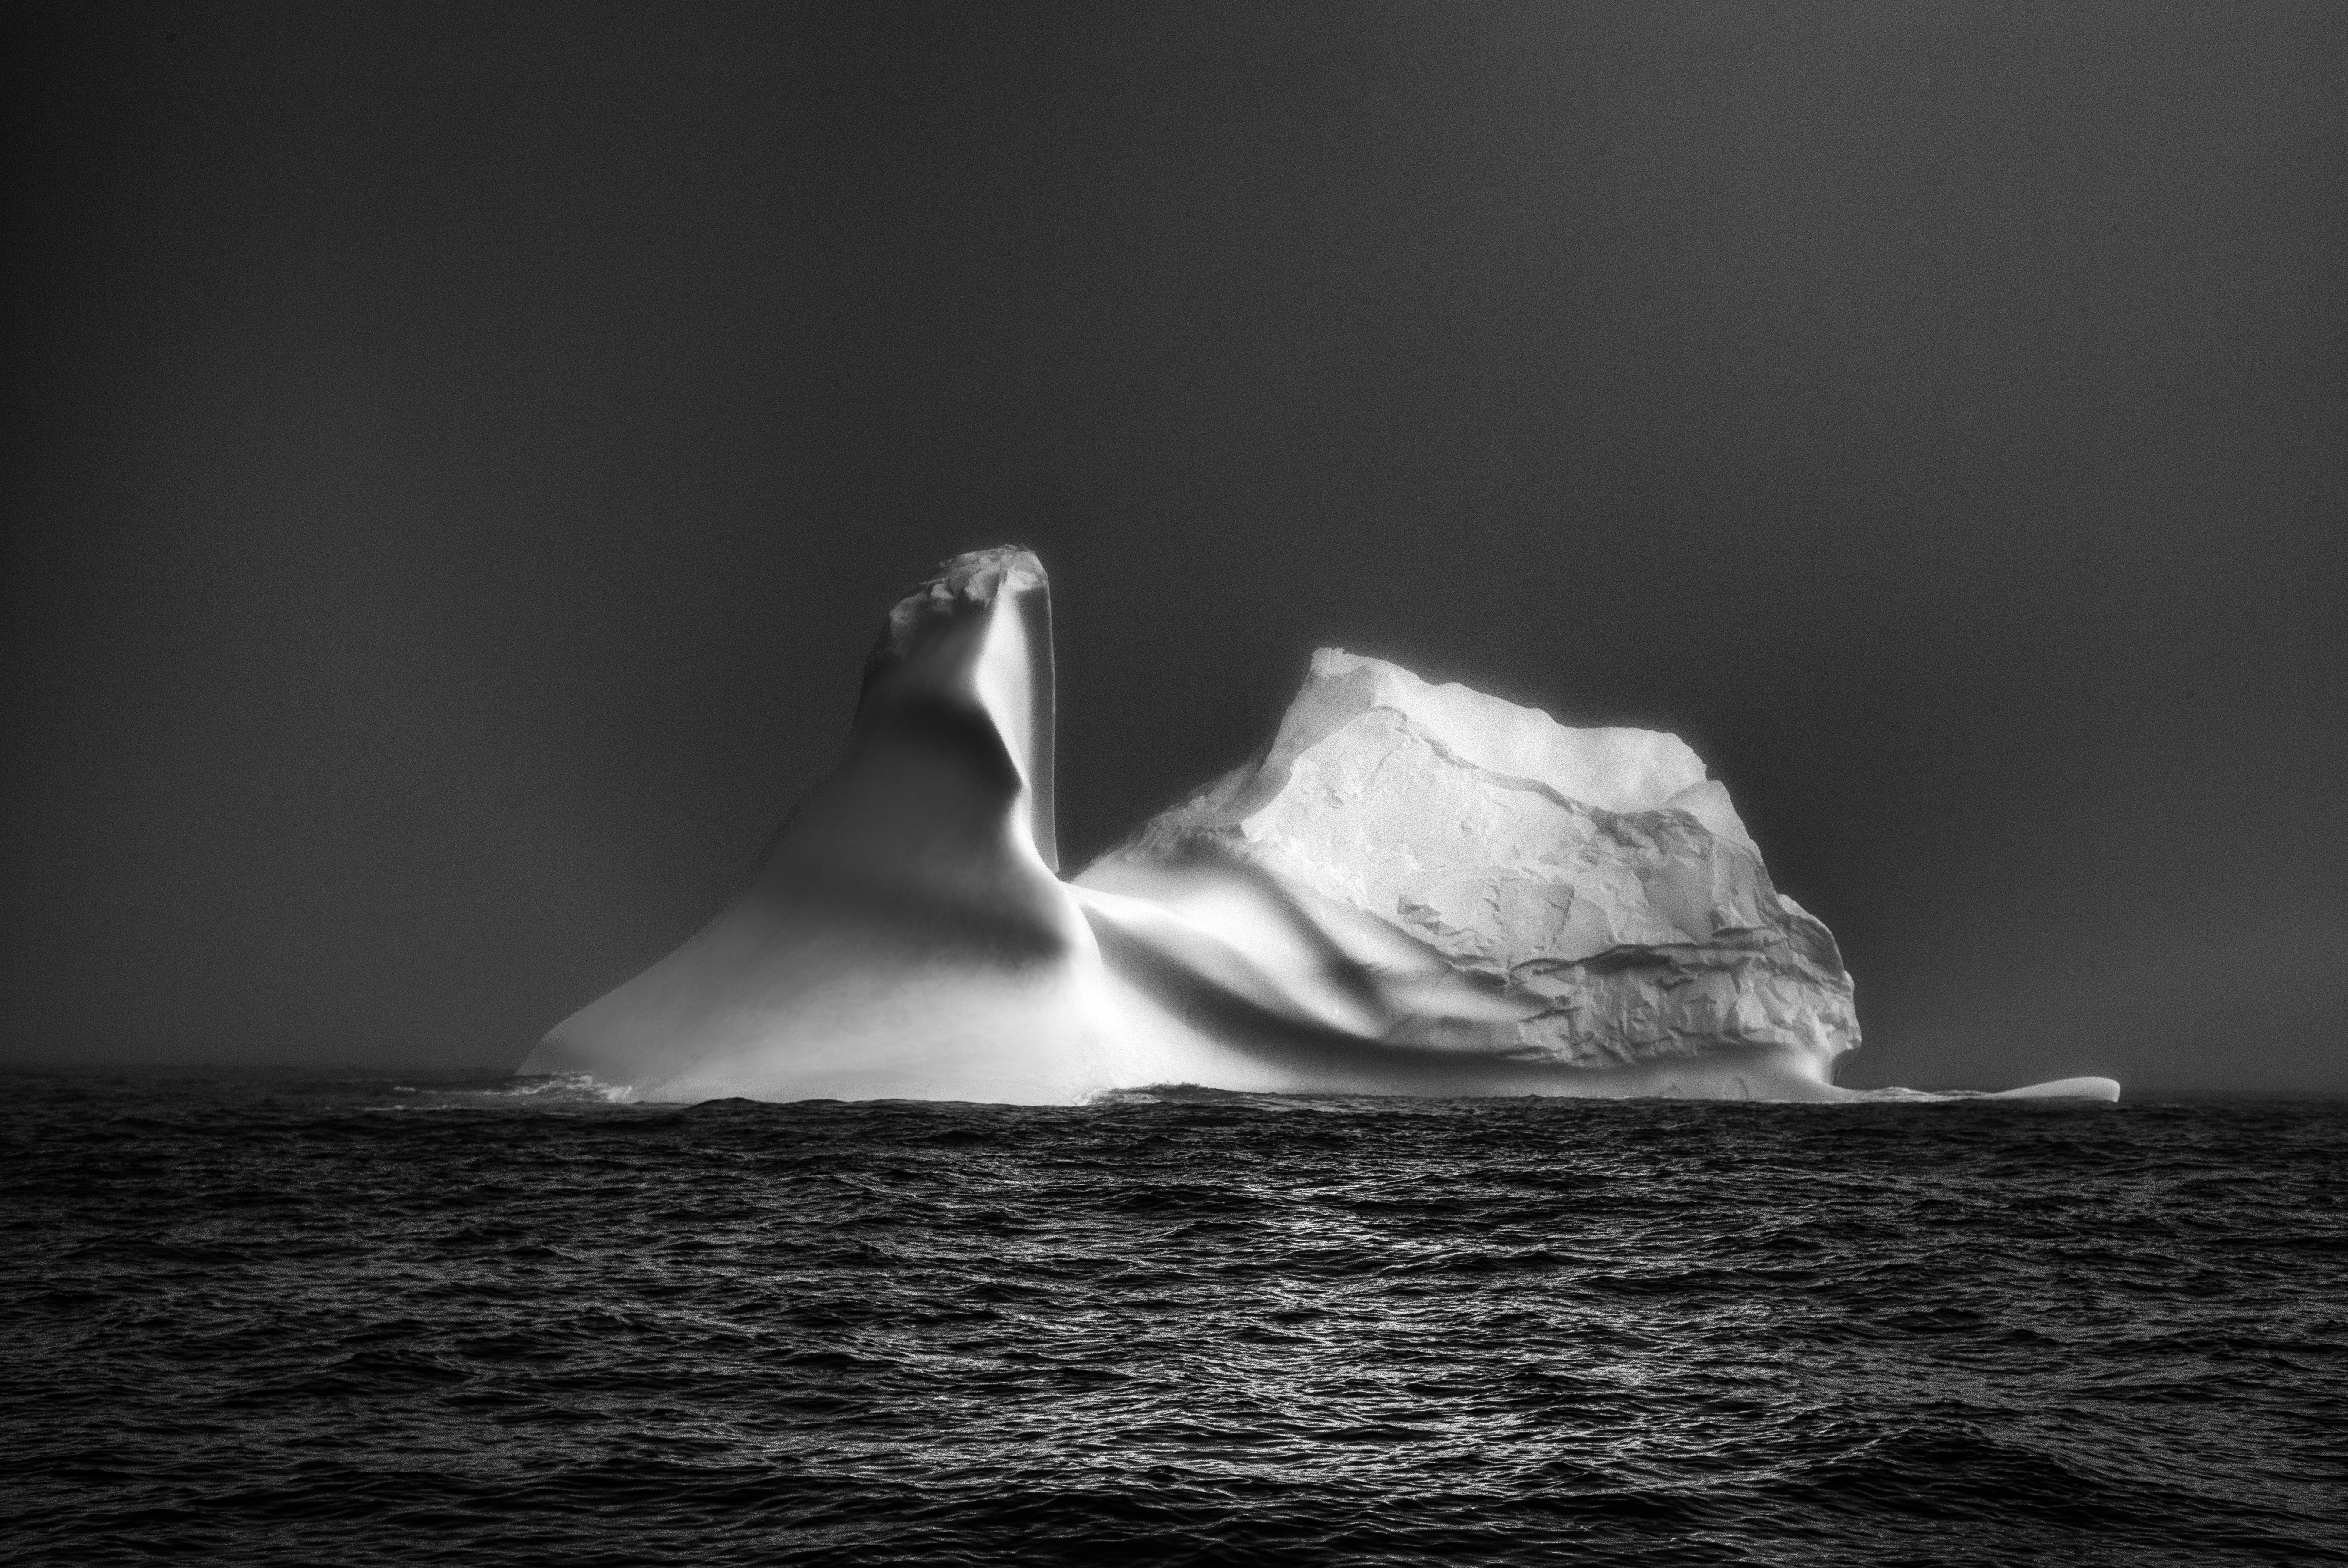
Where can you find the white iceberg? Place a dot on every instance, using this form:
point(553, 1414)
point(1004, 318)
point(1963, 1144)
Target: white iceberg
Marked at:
point(1415, 889)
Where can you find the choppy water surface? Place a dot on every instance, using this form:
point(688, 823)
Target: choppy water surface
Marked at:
point(355, 1321)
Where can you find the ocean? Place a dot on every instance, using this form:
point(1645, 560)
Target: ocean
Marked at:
point(348, 1320)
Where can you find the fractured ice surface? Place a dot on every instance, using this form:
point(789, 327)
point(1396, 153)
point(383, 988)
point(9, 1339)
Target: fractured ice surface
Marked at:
point(1507, 885)
point(1415, 889)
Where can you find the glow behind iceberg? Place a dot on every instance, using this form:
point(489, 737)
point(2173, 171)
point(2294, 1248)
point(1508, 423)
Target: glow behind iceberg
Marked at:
point(1415, 889)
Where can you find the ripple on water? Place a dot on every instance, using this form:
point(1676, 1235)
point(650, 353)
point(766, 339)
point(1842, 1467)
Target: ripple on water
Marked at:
point(291, 1319)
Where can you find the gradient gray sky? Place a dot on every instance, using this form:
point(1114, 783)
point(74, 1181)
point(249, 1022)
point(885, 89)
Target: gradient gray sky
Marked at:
point(458, 457)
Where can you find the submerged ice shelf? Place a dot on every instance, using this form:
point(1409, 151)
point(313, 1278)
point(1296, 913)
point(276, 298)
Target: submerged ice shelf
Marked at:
point(1414, 890)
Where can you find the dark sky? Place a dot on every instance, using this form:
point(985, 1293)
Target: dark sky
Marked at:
point(456, 457)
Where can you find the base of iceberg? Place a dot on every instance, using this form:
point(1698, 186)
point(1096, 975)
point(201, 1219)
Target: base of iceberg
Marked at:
point(1415, 889)
point(2065, 1089)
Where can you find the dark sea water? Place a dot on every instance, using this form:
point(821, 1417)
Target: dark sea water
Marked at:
point(352, 1321)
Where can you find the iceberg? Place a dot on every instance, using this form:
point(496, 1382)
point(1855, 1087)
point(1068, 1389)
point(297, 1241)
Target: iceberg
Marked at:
point(1414, 890)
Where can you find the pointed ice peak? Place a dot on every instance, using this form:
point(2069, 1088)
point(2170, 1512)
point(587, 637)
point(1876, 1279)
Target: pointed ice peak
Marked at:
point(975, 578)
point(969, 653)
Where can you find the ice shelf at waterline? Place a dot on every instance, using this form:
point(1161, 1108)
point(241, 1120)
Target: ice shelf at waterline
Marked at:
point(1414, 890)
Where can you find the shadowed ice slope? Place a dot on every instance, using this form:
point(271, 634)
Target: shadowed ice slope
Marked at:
point(1417, 889)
